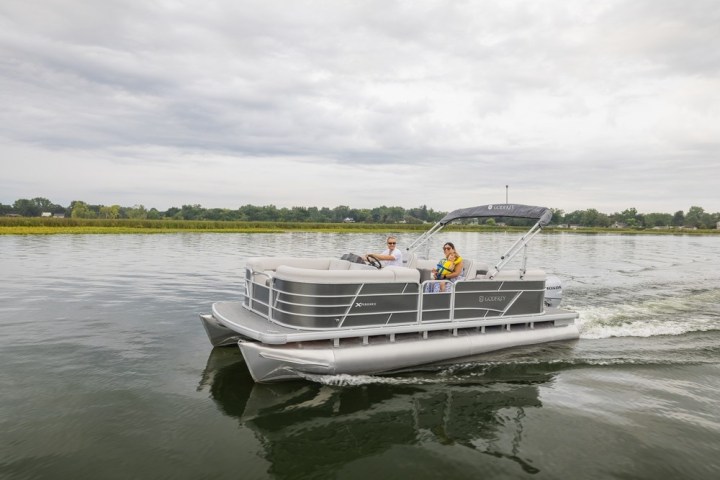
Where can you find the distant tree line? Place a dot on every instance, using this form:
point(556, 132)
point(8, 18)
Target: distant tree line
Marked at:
point(77, 209)
point(695, 217)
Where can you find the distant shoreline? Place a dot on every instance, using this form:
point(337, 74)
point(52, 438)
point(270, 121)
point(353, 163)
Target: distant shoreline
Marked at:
point(37, 226)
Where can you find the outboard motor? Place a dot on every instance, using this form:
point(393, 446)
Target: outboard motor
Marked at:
point(553, 292)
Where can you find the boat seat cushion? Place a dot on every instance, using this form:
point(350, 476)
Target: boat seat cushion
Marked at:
point(263, 268)
point(261, 264)
point(475, 269)
point(336, 264)
point(409, 260)
point(385, 275)
point(425, 264)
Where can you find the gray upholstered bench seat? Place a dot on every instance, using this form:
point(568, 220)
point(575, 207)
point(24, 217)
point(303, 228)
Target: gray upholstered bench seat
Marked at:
point(262, 269)
point(310, 275)
point(262, 264)
point(333, 270)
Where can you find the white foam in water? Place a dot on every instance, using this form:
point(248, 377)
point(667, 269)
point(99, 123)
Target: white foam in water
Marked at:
point(594, 329)
point(668, 316)
point(447, 373)
point(345, 380)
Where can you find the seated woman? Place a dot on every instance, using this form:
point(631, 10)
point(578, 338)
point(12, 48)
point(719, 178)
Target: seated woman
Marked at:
point(451, 269)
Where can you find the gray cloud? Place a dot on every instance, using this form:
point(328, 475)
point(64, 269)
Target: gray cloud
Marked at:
point(578, 105)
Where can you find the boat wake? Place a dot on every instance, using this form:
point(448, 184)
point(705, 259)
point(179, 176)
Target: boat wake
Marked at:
point(489, 374)
point(683, 312)
point(346, 380)
point(541, 363)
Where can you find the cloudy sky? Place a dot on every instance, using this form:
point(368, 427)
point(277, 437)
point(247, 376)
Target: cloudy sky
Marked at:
point(575, 104)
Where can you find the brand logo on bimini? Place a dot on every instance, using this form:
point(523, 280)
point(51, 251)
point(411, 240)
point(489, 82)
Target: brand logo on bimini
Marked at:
point(501, 207)
point(364, 304)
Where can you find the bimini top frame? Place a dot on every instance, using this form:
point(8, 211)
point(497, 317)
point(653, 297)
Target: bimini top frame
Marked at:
point(512, 210)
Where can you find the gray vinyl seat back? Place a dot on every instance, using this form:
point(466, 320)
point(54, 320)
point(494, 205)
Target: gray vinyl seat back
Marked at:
point(409, 260)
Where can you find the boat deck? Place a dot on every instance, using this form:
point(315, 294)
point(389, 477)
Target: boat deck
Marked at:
point(234, 315)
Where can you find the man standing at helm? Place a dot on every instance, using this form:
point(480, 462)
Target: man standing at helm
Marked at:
point(391, 256)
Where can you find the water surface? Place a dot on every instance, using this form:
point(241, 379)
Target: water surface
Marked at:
point(107, 372)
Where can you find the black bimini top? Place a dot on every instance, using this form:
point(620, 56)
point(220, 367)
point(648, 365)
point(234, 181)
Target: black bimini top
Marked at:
point(542, 214)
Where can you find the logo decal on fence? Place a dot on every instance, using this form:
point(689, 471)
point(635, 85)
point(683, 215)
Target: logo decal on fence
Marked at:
point(496, 298)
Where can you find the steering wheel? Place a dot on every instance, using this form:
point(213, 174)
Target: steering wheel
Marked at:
point(373, 261)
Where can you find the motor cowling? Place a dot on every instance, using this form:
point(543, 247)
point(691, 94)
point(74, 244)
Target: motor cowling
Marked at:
point(553, 292)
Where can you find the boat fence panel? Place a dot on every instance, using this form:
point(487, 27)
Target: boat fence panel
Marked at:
point(260, 300)
point(491, 298)
point(337, 305)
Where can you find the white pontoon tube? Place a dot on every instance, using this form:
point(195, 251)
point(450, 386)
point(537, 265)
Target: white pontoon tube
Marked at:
point(512, 210)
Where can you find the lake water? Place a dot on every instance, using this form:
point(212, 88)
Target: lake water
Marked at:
point(106, 371)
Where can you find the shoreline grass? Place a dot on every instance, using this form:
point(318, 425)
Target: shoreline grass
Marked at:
point(75, 226)
point(49, 226)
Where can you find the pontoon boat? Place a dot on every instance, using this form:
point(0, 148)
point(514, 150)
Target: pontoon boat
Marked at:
point(300, 317)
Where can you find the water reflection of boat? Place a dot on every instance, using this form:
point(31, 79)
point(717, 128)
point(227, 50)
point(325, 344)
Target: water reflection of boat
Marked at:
point(331, 316)
point(309, 429)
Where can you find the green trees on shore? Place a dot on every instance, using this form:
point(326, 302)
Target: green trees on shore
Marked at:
point(270, 213)
point(695, 217)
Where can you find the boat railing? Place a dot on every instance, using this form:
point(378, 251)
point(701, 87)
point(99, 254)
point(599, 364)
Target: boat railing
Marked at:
point(425, 303)
point(314, 298)
point(436, 289)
